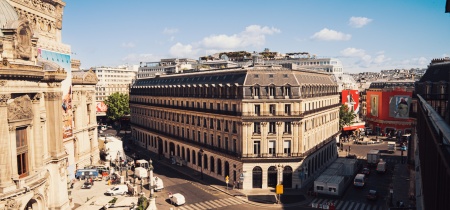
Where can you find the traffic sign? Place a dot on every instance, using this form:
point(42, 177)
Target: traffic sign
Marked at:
point(279, 189)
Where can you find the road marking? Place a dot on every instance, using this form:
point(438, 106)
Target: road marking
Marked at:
point(351, 205)
point(344, 207)
point(197, 206)
point(338, 206)
point(363, 205)
point(213, 204)
point(314, 201)
point(222, 202)
point(233, 200)
point(357, 204)
point(217, 203)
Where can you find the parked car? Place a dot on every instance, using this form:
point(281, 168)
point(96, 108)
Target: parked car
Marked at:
point(117, 190)
point(177, 199)
point(366, 171)
point(372, 195)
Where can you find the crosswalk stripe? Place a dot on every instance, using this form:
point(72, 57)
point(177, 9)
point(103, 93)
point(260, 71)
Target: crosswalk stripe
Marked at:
point(340, 204)
point(320, 201)
point(351, 205)
point(345, 206)
point(232, 200)
point(219, 204)
point(209, 203)
point(315, 200)
point(363, 205)
point(204, 203)
point(357, 205)
point(197, 206)
point(224, 203)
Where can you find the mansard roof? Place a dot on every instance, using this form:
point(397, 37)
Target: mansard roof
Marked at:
point(437, 73)
point(258, 75)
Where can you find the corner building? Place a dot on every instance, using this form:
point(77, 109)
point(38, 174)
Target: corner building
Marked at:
point(261, 125)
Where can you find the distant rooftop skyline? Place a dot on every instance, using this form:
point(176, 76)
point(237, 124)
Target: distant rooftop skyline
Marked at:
point(366, 36)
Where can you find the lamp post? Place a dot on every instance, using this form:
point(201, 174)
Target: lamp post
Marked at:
point(201, 163)
point(151, 186)
point(280, 171)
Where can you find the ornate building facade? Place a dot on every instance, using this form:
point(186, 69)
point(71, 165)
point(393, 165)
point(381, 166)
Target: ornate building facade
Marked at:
point(39, 118)
point(260, 126)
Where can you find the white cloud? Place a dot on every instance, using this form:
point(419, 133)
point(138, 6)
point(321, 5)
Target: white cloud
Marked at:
point(253, 36)
point(183, 51)
point(330, 35)
point(353, 52)
point(128, 45)
point(358, 22)
point(171, 38)
point(170, 31)
point(136, 58)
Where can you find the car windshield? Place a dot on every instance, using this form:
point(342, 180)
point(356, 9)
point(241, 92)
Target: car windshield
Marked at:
point(358, 180)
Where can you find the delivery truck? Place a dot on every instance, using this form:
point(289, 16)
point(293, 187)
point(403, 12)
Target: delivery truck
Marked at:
point(373, 157)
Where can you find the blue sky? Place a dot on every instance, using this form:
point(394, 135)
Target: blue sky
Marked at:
point(364, 35)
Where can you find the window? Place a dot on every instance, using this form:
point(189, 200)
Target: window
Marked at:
point(211, 123)
point(287, 147)
point(226, 126)
point(218, 107)
point(218, 125)
point(226, 107)
point(205, 138)
point(234, 127)
point(257, 110)
point(319, 188)
point(272, 109)
point(257, 147)
point(332, 189)
point(257, 127)
point(287, 91)
point(212, 139)
point(226, 143)
point(270, 75)
point(211, 106)
point(287, 127)
point(287, 109)
point(22, 152)
point(234, 145)
point(219, 142)
point(204, 105)
point(256, 92)
point(198, 136)
point(272, 127)
point(271, 91)
point(234, 108)
point(272, 148)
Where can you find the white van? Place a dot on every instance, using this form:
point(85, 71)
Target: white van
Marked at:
point(381, 167)
point(177, 199)
point(142, 163)
point(117, 190)
point(159, 184)
point(360, 180)
point(140, 172)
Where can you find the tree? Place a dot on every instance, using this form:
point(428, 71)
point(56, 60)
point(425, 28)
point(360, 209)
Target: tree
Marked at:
point(118, 106)
point(346, 116)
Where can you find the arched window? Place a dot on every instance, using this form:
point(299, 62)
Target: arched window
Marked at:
point(211, 162)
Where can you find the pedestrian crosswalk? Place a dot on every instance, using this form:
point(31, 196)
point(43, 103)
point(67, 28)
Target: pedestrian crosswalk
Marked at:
point(212, 204)
point(346, 205)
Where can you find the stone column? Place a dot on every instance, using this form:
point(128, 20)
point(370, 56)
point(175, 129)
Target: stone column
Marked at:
point(37, 132)
point(54, 123)
point(5, 153)
point(13, 152)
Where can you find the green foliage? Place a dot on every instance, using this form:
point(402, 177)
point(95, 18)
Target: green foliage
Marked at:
point(113, 200)
point(142, 203)
point(118, 106)
point(346, 116)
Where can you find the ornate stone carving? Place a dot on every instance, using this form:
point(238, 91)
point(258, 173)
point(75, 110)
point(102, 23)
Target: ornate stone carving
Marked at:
point(12, 204)
point(12, 128)
point(279, 123)
point(23, 48)
point(62, 168)
point(20, 109)
point(4, 98)
point(296, 123)
point(246, 123)
point(89, 96)
point(52, 96)
point(37, 97)
point(3, 82)
point(263, 123)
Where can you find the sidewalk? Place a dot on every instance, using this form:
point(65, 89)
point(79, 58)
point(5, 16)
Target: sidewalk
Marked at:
point(257, 197)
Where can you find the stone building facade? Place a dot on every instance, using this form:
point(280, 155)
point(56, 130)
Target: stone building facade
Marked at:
point(260, 126)
point(36, 159)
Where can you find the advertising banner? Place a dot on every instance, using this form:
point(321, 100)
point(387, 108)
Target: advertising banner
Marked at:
point(101, 107)
point(351, 99)
point(374, 105)
point(63, 61)
point(399, 106)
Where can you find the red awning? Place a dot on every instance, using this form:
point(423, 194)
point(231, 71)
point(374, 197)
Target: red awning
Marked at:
point(353, 127)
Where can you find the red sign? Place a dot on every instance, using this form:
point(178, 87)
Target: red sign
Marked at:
point(351, 99)
point(101, 107)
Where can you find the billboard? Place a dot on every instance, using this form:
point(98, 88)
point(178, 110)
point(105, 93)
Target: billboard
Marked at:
point(351, 99)
point(374, 105)
point(63, 61)
point(399, 106)
point(101, 107)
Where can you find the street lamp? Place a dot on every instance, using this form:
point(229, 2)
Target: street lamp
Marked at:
point(150, 178)
point(201, 163)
